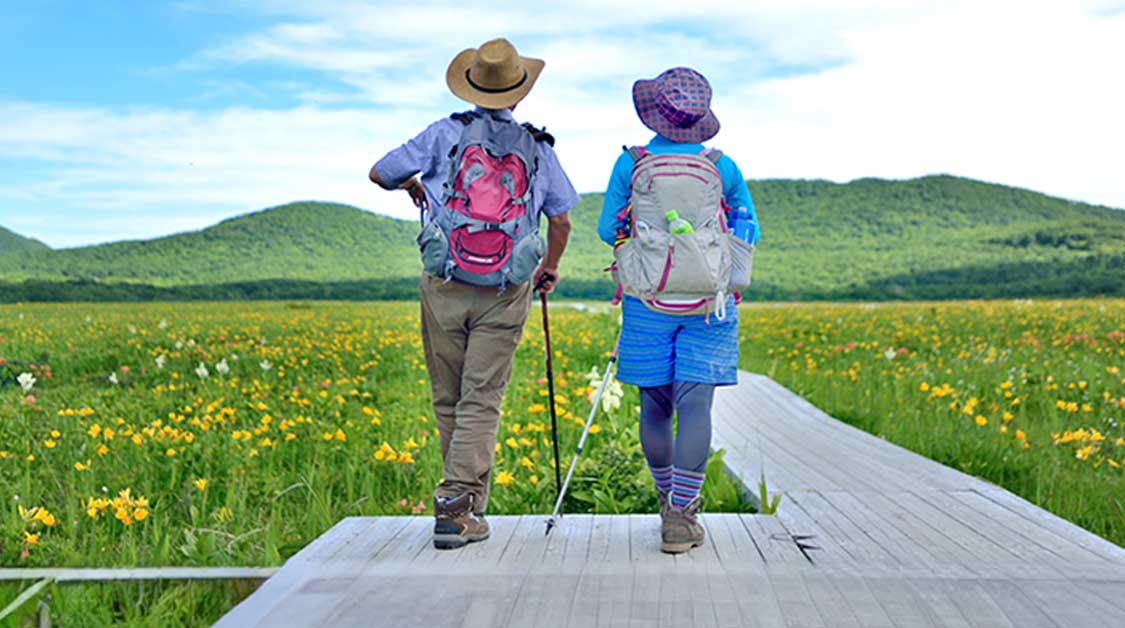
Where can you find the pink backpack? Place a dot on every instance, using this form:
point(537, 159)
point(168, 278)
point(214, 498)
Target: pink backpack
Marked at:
point(486, 232)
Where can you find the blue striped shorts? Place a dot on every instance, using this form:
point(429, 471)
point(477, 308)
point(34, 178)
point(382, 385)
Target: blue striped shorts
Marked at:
point(657, 348)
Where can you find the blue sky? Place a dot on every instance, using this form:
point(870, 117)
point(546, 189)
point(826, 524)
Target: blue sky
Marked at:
point(137, 119)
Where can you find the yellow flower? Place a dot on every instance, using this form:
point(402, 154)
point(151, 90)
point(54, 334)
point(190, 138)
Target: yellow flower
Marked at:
point(533, 479)
point(49, 444)
point(171, 452)
point(594, 429)
point(511, 442)
point(405, 458)
point(981, 420)
point(526, 462)
point(78, 466)
point(140, 513)
point(327, 436)
point(30, 539)
point(505, 478)
point(201, 484)
point(923, 387)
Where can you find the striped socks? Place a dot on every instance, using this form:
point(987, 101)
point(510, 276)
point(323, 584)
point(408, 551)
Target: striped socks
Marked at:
point(686, 486)
point(663, 478)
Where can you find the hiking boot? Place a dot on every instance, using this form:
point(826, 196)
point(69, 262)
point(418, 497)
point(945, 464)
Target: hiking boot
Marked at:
point(664, 499)
point(455, 523)
point(680, 529)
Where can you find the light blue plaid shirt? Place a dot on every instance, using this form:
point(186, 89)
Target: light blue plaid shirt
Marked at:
point(427, 154)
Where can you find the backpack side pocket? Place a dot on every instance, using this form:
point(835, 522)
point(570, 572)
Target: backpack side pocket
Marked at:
point(742, 259)
point(434, 246)
point(525, 257)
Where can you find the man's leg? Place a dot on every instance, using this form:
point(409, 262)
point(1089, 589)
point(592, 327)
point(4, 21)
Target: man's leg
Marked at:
point(444, 337)
point(495, 329)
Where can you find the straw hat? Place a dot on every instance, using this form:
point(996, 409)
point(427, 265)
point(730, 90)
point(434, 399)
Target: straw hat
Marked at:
point(677, 105)
point(493, 76)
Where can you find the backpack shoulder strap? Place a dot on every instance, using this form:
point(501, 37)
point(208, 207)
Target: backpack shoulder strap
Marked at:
point(465, 117)
point(712, 154)
point(540, 134)
point(636, 152)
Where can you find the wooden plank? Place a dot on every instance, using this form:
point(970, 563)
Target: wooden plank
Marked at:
point(830, 604)
point(773, 541)
point(733, 543)
point(975, 546)
point(977, 607)
point(1112, 591)
point(817, 440)
point(1017, 607)
point(897, 598)
point(856, 541)
point(1032, 521)
point(259, 604)
point(757, 600)
point(94, 574)
point(1065, 604)
point(862, 602)
point(953, 558)
point(1039, 558)
point(939, 603)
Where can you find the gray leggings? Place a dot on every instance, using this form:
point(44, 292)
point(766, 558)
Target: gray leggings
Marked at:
point(691, 401)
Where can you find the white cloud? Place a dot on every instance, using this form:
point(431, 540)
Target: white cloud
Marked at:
point(1018, 93)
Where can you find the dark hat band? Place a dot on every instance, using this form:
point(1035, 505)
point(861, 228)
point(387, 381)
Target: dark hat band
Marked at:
point(493, 90)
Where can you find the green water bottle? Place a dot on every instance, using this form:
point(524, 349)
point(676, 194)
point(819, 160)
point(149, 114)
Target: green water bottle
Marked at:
point(677, 224)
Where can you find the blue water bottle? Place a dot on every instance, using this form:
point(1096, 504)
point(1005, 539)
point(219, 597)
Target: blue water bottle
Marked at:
point(743, 225)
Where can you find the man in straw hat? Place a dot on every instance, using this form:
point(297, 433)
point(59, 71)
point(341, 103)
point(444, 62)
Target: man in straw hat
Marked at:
point(475, 303)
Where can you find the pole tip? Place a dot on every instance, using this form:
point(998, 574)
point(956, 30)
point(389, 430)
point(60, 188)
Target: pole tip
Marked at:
point(550, 524)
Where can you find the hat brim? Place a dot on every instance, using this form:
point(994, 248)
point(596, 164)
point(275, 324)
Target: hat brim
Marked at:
point(704, 129)
point(459, 84)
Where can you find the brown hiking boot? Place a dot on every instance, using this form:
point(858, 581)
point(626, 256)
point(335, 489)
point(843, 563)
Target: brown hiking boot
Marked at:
point(680, 530)
point(664, 499)
point(455, 523)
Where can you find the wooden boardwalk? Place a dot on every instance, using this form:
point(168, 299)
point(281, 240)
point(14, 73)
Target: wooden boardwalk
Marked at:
point(903, 541)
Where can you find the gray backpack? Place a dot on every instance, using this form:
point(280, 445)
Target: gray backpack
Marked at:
point(682, 262)
point(486, 232)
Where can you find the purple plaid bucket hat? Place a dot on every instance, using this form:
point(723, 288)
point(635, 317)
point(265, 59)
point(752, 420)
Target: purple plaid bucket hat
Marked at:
point(677, 105)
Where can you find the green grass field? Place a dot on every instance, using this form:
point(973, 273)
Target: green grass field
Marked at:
point(234, 433)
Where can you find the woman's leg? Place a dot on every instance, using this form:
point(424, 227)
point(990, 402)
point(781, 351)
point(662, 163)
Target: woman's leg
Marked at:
point(693, 440)
point(656, 433)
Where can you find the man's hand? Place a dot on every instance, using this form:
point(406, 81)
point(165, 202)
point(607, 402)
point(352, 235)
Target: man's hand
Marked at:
point(417, 193)
point(545, 278)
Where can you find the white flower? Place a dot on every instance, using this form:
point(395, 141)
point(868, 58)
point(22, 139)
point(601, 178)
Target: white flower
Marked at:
point(201, 370)
point(26, 381)
point(160, 360)
point(191, 342)
point(88, 318)
point(889, 353)
point(132, 329)
point(611, 398)
point(113, 378)
point(179, 344)
point(234, 356)
point(163, 324)
point(265, 364)
point(221, 368)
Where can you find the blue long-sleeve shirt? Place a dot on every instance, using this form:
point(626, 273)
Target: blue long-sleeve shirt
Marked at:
point(619, 189)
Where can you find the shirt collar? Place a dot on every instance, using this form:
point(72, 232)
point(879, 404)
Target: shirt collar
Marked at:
point(503, 114)
point(660, 140)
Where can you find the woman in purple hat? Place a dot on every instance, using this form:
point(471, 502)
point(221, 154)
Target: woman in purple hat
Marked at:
point(674, 351)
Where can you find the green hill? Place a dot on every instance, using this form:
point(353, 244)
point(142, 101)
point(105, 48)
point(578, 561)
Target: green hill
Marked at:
point(14, 242)
point(926, 238)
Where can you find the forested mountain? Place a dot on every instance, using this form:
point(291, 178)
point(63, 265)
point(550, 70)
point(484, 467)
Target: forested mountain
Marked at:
point(15, 242)
point(925, 238)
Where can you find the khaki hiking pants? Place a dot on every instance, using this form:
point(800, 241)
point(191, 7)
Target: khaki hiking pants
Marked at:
point(470, 334)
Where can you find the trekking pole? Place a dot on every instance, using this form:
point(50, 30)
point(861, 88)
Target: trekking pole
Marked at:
point(550, 381)
point(556, 514)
